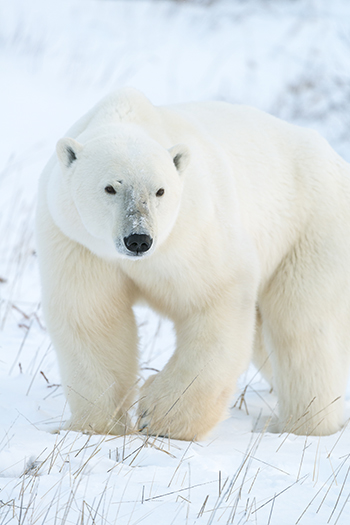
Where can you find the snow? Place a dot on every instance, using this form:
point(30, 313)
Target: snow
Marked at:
point(56, 60)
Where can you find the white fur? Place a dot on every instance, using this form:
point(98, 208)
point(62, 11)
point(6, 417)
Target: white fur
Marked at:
point(251, 236)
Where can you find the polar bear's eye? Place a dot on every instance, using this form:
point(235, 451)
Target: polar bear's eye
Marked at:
point(110, 189)
point(160, 192)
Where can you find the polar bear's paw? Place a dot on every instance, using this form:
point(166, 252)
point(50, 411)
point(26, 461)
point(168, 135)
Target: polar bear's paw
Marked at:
point(164, 414)
point(178, 413)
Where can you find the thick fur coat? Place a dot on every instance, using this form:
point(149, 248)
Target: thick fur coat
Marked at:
point(232, 223)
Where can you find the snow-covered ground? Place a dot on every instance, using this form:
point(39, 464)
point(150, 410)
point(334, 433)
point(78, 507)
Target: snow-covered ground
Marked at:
point(57, 59)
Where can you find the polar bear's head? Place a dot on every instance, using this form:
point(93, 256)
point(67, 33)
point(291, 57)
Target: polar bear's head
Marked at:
point(118, 194)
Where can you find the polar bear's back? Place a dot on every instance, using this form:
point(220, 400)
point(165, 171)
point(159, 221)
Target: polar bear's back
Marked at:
point(280, 177)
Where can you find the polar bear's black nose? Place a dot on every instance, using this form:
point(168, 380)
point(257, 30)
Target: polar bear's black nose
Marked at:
point(138, 243)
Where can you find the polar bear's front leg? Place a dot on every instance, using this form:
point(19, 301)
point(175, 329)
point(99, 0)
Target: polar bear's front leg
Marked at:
point(87, 306)
point(190, 395)
point(98, 364)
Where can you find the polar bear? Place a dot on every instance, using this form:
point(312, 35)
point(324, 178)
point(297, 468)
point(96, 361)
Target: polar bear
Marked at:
point(230, 222)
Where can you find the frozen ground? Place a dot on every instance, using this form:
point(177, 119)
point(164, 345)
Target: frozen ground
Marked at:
point(291, 58)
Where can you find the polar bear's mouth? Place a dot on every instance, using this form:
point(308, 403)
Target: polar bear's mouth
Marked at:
point(138, 244)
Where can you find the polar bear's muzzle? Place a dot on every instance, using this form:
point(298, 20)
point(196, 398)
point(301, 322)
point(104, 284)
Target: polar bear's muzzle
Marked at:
point(138, 243)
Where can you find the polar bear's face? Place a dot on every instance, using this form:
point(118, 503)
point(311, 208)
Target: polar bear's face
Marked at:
point(118, 196)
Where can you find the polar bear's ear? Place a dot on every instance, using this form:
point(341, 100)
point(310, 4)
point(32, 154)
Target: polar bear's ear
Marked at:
point(67, 151)
point(181, 156)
